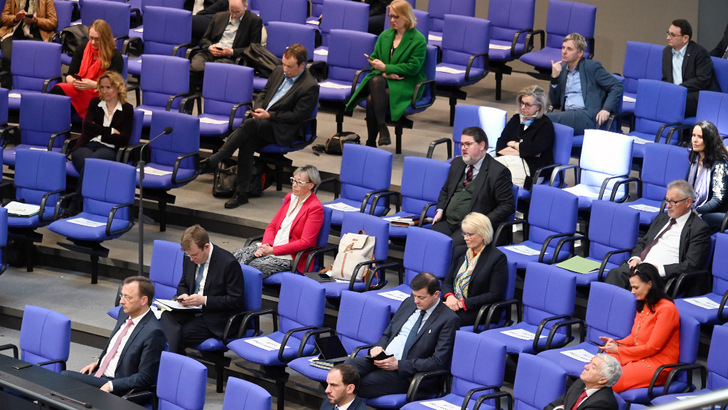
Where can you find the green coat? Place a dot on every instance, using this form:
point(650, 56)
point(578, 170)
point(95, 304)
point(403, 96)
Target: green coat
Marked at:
point(408, 61)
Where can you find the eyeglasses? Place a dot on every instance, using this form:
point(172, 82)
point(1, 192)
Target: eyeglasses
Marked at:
point(468, 234)
point(673, 35)
point(125, 297)
point(297, 182)
point(467, 145)
point(527, 105)
point(673, 203)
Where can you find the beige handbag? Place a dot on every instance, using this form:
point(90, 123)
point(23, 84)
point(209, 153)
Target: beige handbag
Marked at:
point(354, 248)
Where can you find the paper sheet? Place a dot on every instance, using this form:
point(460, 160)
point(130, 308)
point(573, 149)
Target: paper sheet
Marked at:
point(329, 84)
point(640, 141)
point(432, 37)
point(449, 70)
point(439, 405)
point(21, 209)
point(645, 208)
point(579, 355)
point(14, 95)
point(205, 120)
point(86, 222)
point(499, 47)
point(170, 304)
point(579, 190)
point(340, 206)
point(139, 30)
point(154, 171)
point(628, 99)
point(520, 334)
point(523, 250)
point(394, 294)
point(314, 22)
point(265, 343)
point(321, 52)
point(703, 302)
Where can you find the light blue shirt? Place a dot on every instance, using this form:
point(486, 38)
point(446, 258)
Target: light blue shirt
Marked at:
point(573, 93)
point(228, 36)
point(396, 346)
point(677, 63)
point(282, 90)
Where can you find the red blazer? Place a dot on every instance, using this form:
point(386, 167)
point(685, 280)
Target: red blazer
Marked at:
point(304, 231)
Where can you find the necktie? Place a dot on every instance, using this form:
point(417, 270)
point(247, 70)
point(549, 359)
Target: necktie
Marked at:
point(468, 175)
point(654, 242)
point(581, 398)
point(198, 279)
point(112, 352)
point(413, 334)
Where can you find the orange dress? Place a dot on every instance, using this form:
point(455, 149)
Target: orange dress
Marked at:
point(654, 341)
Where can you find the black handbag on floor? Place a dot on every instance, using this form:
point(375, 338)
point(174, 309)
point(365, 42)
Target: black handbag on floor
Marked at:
point(225, 181)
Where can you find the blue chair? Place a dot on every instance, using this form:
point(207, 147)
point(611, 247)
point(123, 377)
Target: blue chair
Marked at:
point(356, 184)
point(168, 32)
point(164, 83)
point(511, 21)
point(564, 18)
point(505, 317)
point(108, 196)
point(713, 107)
point(181, 383)
point(438, 10)
point(39, 180)
point(610, 312)
point(64, 14)
point(282, 34)
point(660, 106)
point(340, 14)
point(246, 395)
point(361, 322)
point(552, 217)
point(114, 13)
point(465, 44)
point(3, 239)
point(45, 122)
point(316, 12)
point(563, 139)
point(548, 299)
point(720, 70)
point(289, 11)
point(137, 13)
point(35, 68)
point(492, 120)
point(478, 366)
point(45, 338)
point(642, 61)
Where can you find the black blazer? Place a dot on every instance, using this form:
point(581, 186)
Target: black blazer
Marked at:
point(139, 361)
point(487, 285)
point(357, 404)
point(537, 141)
point(694, 243)
point(697, 68)
point(248, 31)
point(224, 288)
point(93, 126)
point(602, 399)
point(288, 113)
point(432, 350)
point(493, 193)
point(720, 48)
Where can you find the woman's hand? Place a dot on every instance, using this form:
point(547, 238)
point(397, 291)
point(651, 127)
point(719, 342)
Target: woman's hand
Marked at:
point(84, 84)
point(453, 303)
point(377, 64)
point(610, 345)
point(263, 250)
point(392, 76)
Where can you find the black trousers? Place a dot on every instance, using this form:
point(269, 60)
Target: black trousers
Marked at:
point(184, 329)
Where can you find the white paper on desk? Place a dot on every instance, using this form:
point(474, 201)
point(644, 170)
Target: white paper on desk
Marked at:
point(205, 120)
point(645, 208)
point(439, 405)
point(579, 355)
point(14, 95)
point(394, 294)
point(448, 70)
point(314, 22)
point(432, 37)
point(520, 334)
point(265, 343)
point(640, 141)
point(86, 222)
point(146, 112)
point(321, 52)
point(139, 30)
point(329, 84)
point(340, 206)
point(499, 47)
point(523, 250)
point(21, 209)
point(154, 171)
point(703, 302)
point(579, 190)
point(170, 304)
point(37, 149)
point(628, 99)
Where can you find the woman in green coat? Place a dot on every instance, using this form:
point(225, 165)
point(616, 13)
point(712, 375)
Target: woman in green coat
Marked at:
point(398, 64)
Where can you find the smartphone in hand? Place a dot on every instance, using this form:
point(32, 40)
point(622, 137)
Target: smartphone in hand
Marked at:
point(77, 77)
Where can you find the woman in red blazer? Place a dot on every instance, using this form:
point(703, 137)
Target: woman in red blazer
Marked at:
point(295, 227)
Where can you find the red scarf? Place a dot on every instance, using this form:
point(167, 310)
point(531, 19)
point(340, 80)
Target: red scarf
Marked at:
point(91, 69)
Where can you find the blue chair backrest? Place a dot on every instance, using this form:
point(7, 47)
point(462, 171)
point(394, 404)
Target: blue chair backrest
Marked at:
point(564, 139)
point(538, 382)
point(165, 270)
point(462, 37)
point(609, 312)
point(253, 293)
point(353, 222)
point(438, 10)
point(44, 335)
point(552, 211)
point(662, 164)
point(612, 226)
point(717, 363)
point(346, 53)
point(172, 4)
point(641, 61)
point(362, 319)
point(184, 139)
point(430, 71)
point(165, 28)
point(428, 251)
point(566, 17)
point(242, 394)
point(343, 14)
point(162, 77)
point(317, 8)
point(604, 154)
point(423, 21)
point(64, 13)
point(34, 62)
point(713, 107)
point(422, 180)
point(4, 92)
point(301, 303)
point(282, 34)
point(42, 115)
point(107, 184)
point(547, 291)
point(720, 70)
point(137, 127)
point(689, 339)
point(114, 13)
point(356, 176)
point(225, 85)
point(290, 11)
point(37, 173)
point(658, 103)
point(720, 264)
point(509, 16)
point(476, 362)
point(181, 382)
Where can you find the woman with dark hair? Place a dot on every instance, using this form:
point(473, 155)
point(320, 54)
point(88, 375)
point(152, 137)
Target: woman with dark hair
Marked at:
point(708, 174)
point(655, 337)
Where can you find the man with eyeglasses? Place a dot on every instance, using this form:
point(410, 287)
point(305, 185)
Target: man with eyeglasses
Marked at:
point(212, 281)
point(475, 183)
point(677, 241)
point(686, 63)
point(131, 357)
point(228, 33)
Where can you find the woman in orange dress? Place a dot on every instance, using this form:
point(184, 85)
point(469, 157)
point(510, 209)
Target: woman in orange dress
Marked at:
point(655, 337)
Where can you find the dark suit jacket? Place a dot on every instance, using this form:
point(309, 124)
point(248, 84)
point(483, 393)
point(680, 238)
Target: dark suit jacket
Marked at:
point(224, 288)
point(599, 88)
point(139, 361)
point(602, 399)
point(536, 141)
point(694, 243)
point(720, 48)
point(487, 285)
point(432, 350)
point(93, 125)
point(248, 31)
point(697, 68)
point(357, 404)
point(493, 193)
point(288, 113)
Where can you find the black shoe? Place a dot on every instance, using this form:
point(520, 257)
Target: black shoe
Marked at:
point(237, 200)
point(384, 135)
point(207, 167)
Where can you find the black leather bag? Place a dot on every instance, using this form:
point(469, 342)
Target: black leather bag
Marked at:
point(260, 59)
point(225, 181)
point(335, 144)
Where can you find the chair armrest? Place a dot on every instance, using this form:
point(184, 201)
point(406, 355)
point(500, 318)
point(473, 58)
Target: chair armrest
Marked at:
point(52, 139)
point(435, 143)
point(365, 201)
point(10, 347)
point(433, 94)
point(253, 239)
point(315, 332)
point(373, 269)
point(394, 265)
point(111, 219)
point(376, 197)
point(234, 113)
point(174, 97)
point(178, 162)
point(191, 51)
point(570, 322)
point(722, 315)
point(536, 33)
point(43, 202)
point(285, 341)
point(658, 134)
point(142, 394)
point(486, 67)
point(563, 168)
point(191, 101)
point(48, 82)
point(232, 326)
point(176, 48)
point(135, 42)
point(136, 16)
point(608, 256)
point(49, 362)
point(320, 252)
point(13, 130)
point(497, 396)
point(552, 333)
point(414, 387)
point(517, 35)
point(358, 349)
point(539, 171)
point(423, 214)
point(677, 368)
point(545, 246)
point(605, 184)
point(255, 315)
point(569, 239)
point(677, 128)
point(67, 145)
point(137, 92)
point(470, 393)
point(498, 306)
point(618, 184)
point(355, 81)
point(678, 282)
point(63, 200)
point(335, 181)
point(496, 237)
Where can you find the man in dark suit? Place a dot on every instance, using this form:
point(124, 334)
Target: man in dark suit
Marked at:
point(131, 357)
point(677, 241)
point(227, 35)
point(279, 111)
point(212, 280)
point(419, 338)
point(686, 63)
point(342, 383)
point(593, 389)
point(475, 183)
point(584, 91)
point(721, 50)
